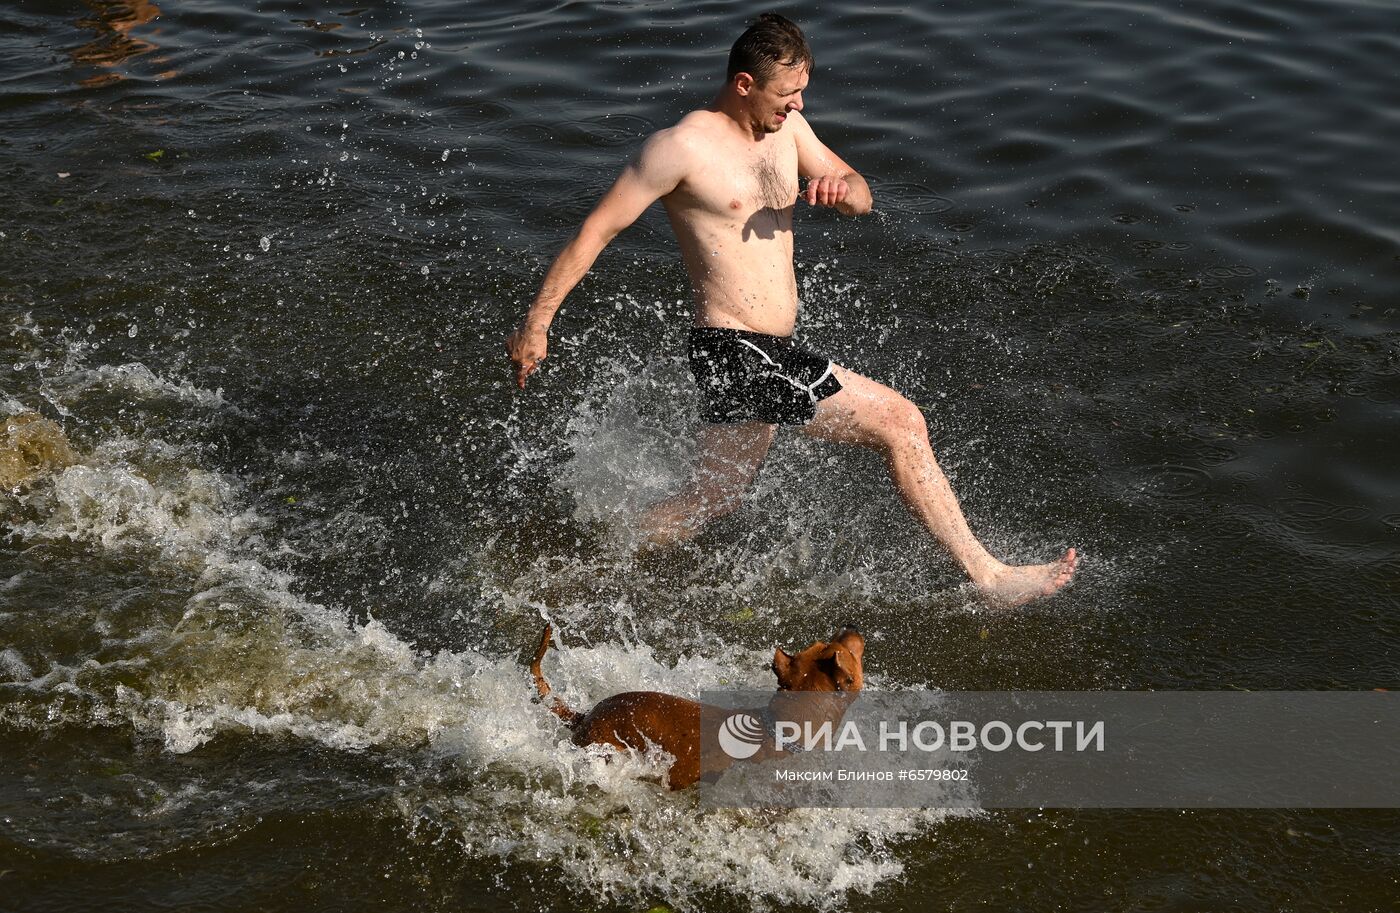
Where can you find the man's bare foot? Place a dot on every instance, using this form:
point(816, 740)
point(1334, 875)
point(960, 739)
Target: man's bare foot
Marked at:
point(1011, 585)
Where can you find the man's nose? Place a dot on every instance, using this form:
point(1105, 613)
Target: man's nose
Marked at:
point(796, 103)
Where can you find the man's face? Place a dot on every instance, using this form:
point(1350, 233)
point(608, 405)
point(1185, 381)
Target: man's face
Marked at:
point(770, 102)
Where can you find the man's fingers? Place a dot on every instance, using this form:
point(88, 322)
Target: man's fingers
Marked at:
point(526, 351)
point(525, 369)
point(825, 191)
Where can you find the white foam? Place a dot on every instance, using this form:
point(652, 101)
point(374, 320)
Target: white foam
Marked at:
point(605, 820)
point(13, 666)
point(133, 379)
point(251, 658)
point(60, 359)
point(186, 516)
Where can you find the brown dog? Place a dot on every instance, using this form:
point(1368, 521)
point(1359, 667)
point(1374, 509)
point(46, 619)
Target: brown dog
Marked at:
point(636, 719)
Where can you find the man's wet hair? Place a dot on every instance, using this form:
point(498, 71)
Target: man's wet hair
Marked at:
point(771, 44)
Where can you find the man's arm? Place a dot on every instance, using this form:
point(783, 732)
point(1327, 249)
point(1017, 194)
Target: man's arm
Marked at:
point(830, 181)
point(655, 172)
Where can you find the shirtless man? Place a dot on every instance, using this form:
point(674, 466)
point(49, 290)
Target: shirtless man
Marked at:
point(728, 177)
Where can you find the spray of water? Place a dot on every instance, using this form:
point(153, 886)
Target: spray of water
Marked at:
point(213, 641)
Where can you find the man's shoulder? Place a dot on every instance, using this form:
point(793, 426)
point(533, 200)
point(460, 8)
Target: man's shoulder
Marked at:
point(692, 133)
point(682, 145)
point(799, 123)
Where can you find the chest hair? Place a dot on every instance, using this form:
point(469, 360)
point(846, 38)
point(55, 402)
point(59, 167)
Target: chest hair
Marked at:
point(773, 192)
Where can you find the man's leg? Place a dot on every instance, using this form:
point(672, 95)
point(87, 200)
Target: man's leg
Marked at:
point(872, 415)
point(729, 458)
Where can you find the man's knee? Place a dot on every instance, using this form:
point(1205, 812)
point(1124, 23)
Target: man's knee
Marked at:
point(722, 504)
point(716, 501)
point(905, 423)
point(722, 490)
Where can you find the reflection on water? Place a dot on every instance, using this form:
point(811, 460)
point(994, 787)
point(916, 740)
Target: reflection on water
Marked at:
point(114, 21)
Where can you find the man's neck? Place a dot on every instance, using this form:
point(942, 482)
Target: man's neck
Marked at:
point(732, 107)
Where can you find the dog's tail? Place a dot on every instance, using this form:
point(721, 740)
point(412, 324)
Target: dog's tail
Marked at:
point(542, 686)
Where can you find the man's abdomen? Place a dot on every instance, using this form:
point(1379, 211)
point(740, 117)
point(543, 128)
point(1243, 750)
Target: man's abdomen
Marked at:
point(745, 296)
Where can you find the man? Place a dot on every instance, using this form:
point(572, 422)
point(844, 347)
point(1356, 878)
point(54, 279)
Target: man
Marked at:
point(728, 177)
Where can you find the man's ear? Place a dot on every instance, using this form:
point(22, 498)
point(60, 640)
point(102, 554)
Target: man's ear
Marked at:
point(782, 664)
point(744, 83)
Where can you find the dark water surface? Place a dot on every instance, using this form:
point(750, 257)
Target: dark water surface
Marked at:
point(259, 648)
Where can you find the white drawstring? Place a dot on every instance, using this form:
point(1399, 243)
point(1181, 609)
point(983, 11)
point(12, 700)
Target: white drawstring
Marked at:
point(809, 389)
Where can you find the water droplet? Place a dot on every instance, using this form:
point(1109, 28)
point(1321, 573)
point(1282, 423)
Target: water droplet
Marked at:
point(265, 244)
point(424, 271)
point(131, 331)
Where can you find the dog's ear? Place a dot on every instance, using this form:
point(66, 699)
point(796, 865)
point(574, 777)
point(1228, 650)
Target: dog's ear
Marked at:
point(782, 664)
point(852, 640)
point(849, 666)
point(841, 667)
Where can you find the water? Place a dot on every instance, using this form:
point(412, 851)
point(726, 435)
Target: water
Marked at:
point(260, 645)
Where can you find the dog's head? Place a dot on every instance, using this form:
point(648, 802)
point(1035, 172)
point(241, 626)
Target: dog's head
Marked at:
point(831, 666)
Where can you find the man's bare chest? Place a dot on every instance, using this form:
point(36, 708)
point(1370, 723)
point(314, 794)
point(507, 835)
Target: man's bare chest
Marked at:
point(772, 181)
point(740, 184)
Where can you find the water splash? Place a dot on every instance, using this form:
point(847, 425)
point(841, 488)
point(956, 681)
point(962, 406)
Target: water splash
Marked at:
point(228, 648)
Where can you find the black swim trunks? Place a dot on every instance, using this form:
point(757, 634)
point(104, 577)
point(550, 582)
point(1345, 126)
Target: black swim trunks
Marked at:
point(753, 377)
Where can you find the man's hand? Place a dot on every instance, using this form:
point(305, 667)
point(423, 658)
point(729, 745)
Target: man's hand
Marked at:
point(527, 347)
point(827, 190)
